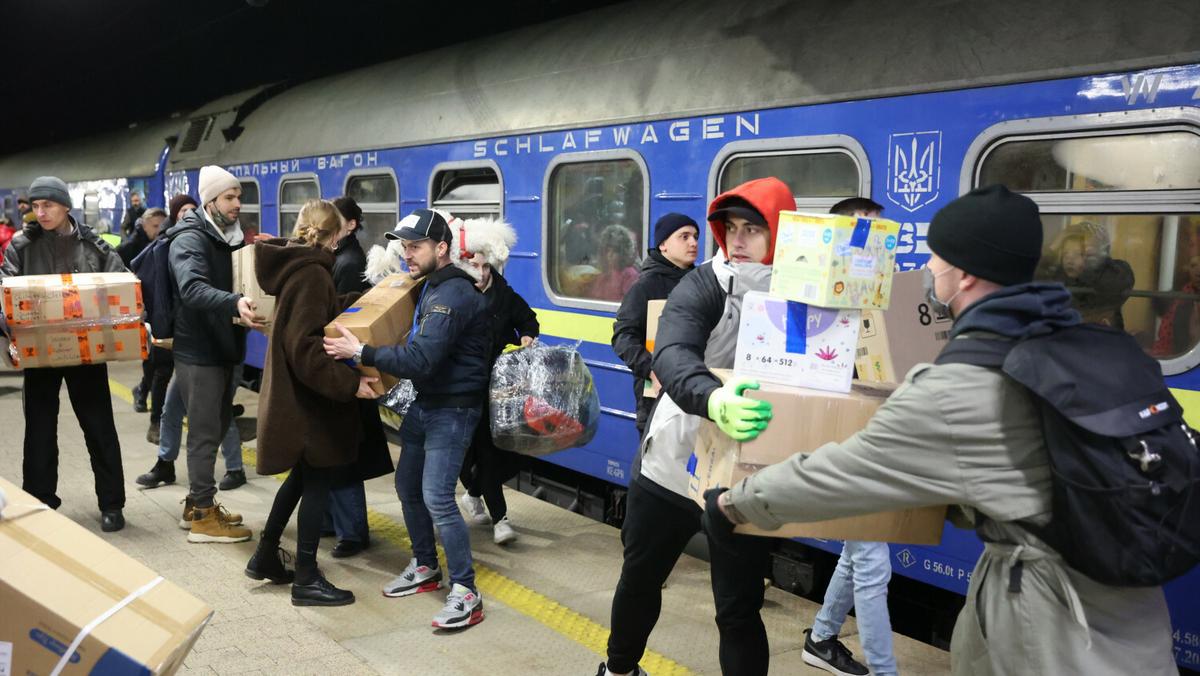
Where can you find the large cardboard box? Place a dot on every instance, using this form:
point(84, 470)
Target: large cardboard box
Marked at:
point(56, 578)
point(107, 297)
point(908, 333)
point(383, 316)
point(790, 343)
point(834, 261)
point(74, 343)
point(246, 283)
point(654, 310)
point(803, 421)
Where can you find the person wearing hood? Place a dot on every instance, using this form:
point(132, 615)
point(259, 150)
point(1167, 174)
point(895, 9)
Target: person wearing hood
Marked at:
point(55, 243)
point(305, 401)
point(485, 468)
point(970, 437)
point(447, 358)
point(208, 344)
point(697, 332)
point(676, 244)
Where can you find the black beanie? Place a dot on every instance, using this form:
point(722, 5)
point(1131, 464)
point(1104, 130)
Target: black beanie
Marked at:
point(990, 232)
point(176, 204)
point(667, 225)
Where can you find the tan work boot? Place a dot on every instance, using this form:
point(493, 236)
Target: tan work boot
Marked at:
point(209, 525)
point(227, 516)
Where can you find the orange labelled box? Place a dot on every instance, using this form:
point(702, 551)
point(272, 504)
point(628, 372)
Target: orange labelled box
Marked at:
point(383, 316)
point(100, 296)
point(76, 343)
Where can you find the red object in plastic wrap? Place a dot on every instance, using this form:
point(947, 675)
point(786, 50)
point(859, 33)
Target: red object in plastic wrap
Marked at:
point(551, 422)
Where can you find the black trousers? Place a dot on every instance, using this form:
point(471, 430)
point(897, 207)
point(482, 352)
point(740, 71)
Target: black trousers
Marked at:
point(308, 487)
point(483, 472)
point(156, 378)
point(87, 388)
point(654, 534)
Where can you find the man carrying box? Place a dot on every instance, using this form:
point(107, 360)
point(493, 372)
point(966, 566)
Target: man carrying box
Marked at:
point(698, 332)
point(56, 244)
point(967, 435)
point(448, 359)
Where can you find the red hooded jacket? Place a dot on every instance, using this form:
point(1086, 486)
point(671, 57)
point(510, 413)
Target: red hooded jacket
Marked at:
point(767, 195)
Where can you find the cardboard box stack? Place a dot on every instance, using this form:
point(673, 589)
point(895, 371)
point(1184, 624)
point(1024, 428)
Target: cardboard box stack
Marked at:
point(246, 283)
point(66, 320)
point(62, 586)
point(908, 333)
point(383, 316)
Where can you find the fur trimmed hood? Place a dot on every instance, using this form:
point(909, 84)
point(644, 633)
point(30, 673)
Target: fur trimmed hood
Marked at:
point(494, 238)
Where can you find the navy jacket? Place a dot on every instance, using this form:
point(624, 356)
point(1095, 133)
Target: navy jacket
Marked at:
point(448, 355)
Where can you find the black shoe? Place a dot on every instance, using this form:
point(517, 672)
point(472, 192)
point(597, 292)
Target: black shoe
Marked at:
point(111, 520)
point(320, 592)
point(139, 400)
point(238, 410)
point(831, 656)
point(163, 472)
point(233, 479)
point(347, 548)
point(153, 434)
point(603, 671)
point(267, 564)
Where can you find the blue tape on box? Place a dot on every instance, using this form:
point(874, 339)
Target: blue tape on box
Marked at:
point(351, 309)
point(862, 230)
point(691, 464)
point(796, 327)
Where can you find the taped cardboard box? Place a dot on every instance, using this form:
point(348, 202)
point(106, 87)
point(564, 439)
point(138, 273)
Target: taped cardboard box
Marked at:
point(834, 261)
point(654, 310)
point(803, 421)
point(57, 578)
point(908, 333)
point(72, 344)
point(789, 343)
point(37, 300)
point(383, 316)
point(246, 283)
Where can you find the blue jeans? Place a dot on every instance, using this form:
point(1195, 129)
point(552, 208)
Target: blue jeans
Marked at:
point(861, 581)
point(348, 512)
point(434, 442)
point(170, 430)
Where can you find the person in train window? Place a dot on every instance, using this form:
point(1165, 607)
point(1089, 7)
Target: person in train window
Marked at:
point(861, 578)
point(581, 224)
point(305, 401)
point(1099, 284)
point(672, 256)
point(967, 436)
point(697, 332)
point(486, 468)
point(618, 264)
point(447, 358)
point(1179, 326)
point(56, 244)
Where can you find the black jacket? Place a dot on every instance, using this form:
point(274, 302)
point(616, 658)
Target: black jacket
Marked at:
point(349, 263)
point(693, 311)
point(129, 221)
point(136, 245)
point(510, 314)
point(658, 278)
point(33, 251)
point(448, 355)
point(202, 264)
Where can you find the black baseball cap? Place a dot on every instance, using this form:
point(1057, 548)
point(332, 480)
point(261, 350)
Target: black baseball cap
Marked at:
point(735, 206)
point(423, 224)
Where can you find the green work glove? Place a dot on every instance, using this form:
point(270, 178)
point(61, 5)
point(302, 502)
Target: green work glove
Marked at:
point(742, 418)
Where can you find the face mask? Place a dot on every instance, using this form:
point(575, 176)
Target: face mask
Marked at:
point(935, 303)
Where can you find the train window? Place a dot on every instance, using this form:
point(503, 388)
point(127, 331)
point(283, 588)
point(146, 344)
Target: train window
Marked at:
point(1121, 218)
point(251, 209)
point(819, 178)
point(595, 228)
point(293, 193)
point(378, 197)
point(469, 192)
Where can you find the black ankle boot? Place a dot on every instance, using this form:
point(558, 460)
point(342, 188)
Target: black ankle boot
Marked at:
point(267, 563)
point(163, 472)
point(320, 592)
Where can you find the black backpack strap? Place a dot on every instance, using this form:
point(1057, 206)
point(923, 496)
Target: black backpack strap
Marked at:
point(986, 352)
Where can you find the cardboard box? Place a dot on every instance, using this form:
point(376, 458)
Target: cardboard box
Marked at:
point(56, 577)
point(74, 343)
point(908, 333)
point(790, 343)
point(246, 283)
point(834, 261)
point(654, 310)
point(803, 421)
point(36, 300)
point(383, 316)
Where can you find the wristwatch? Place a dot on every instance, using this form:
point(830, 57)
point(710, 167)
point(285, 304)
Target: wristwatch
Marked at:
point(358, 353)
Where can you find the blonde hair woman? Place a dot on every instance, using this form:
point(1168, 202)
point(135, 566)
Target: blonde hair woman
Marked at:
point(305, 401)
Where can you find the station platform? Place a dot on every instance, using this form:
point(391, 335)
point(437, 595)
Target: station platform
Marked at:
point(547, 596)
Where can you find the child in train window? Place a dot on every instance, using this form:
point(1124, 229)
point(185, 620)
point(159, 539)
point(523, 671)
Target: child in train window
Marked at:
point(1081, 259)
point(618, 264)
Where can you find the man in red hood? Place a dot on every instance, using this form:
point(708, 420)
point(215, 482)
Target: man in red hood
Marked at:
point(697, 332)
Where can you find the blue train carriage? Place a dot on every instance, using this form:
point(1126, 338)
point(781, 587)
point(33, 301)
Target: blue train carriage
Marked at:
point(100, 172)
point(596, 120)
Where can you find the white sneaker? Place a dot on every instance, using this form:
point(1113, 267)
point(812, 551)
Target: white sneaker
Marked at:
point(503, 533)
point(463, 608)
point(414, 580)
point(473, 506)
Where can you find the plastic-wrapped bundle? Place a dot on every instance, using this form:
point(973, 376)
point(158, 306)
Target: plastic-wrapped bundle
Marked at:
point(400, 397)
point(543, 400)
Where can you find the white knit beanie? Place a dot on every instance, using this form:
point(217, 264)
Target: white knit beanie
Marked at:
point(213, 181)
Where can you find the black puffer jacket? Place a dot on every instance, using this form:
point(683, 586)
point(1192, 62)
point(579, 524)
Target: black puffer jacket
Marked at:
point(348, 266)
point(448, 357)
point(511, 316)
point(658, 277)
point(33, 251)
point(136, 245)
point(202, 264)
